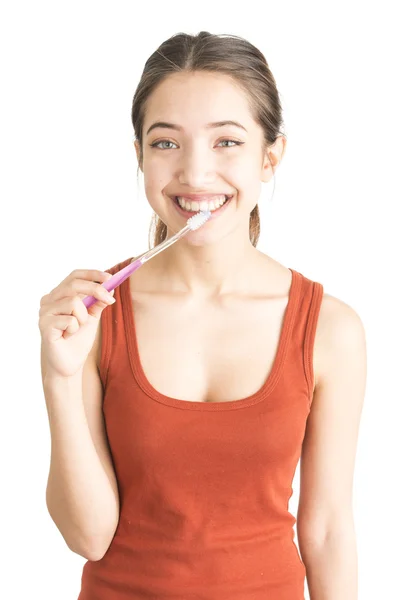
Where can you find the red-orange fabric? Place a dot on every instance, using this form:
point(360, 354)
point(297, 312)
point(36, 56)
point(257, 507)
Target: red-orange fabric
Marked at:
point(204, 487)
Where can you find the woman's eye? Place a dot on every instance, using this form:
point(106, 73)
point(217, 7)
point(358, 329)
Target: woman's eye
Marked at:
point(233, 142)
point(157, 144)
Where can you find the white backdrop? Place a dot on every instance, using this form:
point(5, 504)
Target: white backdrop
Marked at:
point(70, 199)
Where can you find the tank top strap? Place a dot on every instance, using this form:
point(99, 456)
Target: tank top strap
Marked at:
point(113, 338)
point(301, 346)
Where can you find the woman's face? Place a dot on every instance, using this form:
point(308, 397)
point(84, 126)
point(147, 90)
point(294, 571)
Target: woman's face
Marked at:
point(192, 157)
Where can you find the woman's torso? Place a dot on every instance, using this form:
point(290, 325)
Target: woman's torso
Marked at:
point(205, 406)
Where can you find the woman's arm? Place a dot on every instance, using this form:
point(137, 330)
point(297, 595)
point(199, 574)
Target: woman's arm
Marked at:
point(82, 494)
point(325, 525)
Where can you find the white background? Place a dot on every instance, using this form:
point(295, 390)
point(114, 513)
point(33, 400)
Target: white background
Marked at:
point(70, 199)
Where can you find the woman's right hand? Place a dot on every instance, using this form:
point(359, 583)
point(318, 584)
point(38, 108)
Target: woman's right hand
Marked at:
point(67, 327)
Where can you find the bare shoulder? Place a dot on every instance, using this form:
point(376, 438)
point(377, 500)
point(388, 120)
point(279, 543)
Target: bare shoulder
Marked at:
point(339, 331)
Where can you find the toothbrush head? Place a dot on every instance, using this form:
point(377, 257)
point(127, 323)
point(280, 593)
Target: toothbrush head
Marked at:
point(198, 220)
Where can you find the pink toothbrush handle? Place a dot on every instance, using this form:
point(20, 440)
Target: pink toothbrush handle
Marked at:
point(114, 281)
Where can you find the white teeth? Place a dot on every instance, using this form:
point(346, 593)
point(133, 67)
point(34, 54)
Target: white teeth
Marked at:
point(195, 206)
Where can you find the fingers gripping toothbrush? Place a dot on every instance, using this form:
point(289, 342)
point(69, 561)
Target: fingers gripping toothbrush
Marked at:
point(192, 224)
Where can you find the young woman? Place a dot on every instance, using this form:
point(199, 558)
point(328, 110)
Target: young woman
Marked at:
point(178, 416)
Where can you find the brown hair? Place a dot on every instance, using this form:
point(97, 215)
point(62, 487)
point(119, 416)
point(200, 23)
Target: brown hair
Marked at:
point(227, 54)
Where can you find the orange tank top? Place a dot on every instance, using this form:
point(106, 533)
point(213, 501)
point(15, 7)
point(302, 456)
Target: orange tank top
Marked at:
point(204, 487)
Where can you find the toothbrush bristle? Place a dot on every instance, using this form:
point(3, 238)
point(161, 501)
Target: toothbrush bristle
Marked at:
point(198, 220)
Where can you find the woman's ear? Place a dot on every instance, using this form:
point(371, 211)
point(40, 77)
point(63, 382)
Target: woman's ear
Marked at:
point(273, 157)
point(138, 153)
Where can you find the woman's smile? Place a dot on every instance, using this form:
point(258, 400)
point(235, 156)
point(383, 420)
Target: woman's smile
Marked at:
point(189, 208)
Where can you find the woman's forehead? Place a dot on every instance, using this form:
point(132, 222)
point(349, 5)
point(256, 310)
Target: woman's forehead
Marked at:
point(197, 104)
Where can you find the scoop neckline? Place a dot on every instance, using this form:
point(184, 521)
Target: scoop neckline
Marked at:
point(264, 391)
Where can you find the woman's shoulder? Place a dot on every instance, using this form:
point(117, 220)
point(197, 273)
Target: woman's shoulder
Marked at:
point(339, 326)
point(96, 348)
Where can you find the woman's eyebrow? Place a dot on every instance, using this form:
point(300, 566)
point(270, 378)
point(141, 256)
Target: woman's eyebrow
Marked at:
point(166, 125)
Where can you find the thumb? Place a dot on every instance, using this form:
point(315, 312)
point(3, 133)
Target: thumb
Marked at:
point(97, 308)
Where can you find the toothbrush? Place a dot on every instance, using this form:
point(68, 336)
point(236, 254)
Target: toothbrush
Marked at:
point(192, 224)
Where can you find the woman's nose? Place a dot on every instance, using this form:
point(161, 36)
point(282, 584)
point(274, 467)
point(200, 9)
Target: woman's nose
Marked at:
point(196, 168)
